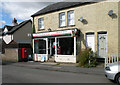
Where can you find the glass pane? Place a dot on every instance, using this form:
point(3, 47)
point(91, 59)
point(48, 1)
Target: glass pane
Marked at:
point(65, 46)
point(40, 46)
point(41, 23)
point(62, 19)
point(71, 18)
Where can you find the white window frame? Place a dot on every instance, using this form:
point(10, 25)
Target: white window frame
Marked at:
point(70, 18)
point(41, 23)
point(62, 19)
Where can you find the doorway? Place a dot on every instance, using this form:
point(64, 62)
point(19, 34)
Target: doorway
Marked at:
point(90, 41)
point(102, 45)
point(51, 47)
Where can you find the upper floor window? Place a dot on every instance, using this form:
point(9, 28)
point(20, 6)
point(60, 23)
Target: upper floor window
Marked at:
point(40, 23)
point(70, 17)
point(62, 19)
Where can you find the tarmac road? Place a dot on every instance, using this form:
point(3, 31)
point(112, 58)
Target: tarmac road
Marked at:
point(19, 74)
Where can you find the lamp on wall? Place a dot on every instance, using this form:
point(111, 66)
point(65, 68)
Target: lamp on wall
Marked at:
point(81, 19)
point(84, 21)
point(49, 30)
point(110, 13)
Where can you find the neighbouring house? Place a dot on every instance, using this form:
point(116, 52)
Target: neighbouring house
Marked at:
point(17, 43)
point(63, 28)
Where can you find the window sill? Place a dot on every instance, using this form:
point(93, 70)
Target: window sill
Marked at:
point(62, 26)
point(67, 26)
point(40, 29)
point(70, 25)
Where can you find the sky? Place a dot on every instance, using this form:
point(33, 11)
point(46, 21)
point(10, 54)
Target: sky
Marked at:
point(21, 10)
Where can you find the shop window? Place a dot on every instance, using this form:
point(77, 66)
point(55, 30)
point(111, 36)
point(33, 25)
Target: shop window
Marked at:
point(40, 23)
point(40, 46)
point(70, 18)
point(62, 19)
point(65, 46)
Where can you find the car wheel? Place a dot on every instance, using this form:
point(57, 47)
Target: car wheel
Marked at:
point(118, 78)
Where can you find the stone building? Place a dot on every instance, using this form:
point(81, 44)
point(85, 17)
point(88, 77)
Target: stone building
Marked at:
point(63, 28)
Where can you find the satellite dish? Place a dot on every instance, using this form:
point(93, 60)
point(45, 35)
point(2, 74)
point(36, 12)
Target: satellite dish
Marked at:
point(110, 12)
point(81, 19)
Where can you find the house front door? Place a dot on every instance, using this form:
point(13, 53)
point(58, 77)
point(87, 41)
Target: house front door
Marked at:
point(90, 41)
point(102, 45)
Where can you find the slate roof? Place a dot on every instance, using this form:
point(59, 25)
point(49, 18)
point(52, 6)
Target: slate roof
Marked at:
point(59, 6)
point(8, 27)
point(12, 29)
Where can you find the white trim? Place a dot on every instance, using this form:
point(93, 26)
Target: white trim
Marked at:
point(33, 46)
point(47, 48)
point(50, 47)
point(74, 46)
point(55, 47)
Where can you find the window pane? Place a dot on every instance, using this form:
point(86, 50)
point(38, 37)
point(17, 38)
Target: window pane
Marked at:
point(40, 47)
point(41, 23)
point(63, 23)
point(62, 19)
point(66, 46)
point(71, 18)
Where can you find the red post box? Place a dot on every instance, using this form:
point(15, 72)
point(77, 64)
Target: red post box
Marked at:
point(24, 53)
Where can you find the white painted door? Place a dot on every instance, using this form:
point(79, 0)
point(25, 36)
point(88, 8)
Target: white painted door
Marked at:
point(102, 45)
point(90, 41)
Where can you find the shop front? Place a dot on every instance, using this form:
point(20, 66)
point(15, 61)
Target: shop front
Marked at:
point(58, 44)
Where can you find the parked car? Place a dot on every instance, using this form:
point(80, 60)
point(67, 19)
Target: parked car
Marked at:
point(112, 72)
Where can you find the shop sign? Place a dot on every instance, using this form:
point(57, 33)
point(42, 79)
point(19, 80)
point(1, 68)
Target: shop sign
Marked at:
point(65, 32)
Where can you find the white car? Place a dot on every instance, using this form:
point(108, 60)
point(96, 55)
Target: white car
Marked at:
point(112, 72)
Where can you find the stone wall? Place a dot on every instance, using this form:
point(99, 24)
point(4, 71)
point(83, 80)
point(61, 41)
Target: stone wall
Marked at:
point(11, 54)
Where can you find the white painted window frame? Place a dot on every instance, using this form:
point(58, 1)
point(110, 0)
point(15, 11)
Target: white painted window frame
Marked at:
point(62, 19)
point(41, 23)
point(69, 18)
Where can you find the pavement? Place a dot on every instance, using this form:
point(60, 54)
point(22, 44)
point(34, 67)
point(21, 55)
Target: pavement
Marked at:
point(73, 68)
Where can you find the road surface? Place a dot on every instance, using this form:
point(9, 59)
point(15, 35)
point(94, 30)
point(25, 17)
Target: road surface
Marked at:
point(17, 74)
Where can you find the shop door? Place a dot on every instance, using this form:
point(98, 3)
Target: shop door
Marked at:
point(90, 41)
point(102, 45)
point(51, 46)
